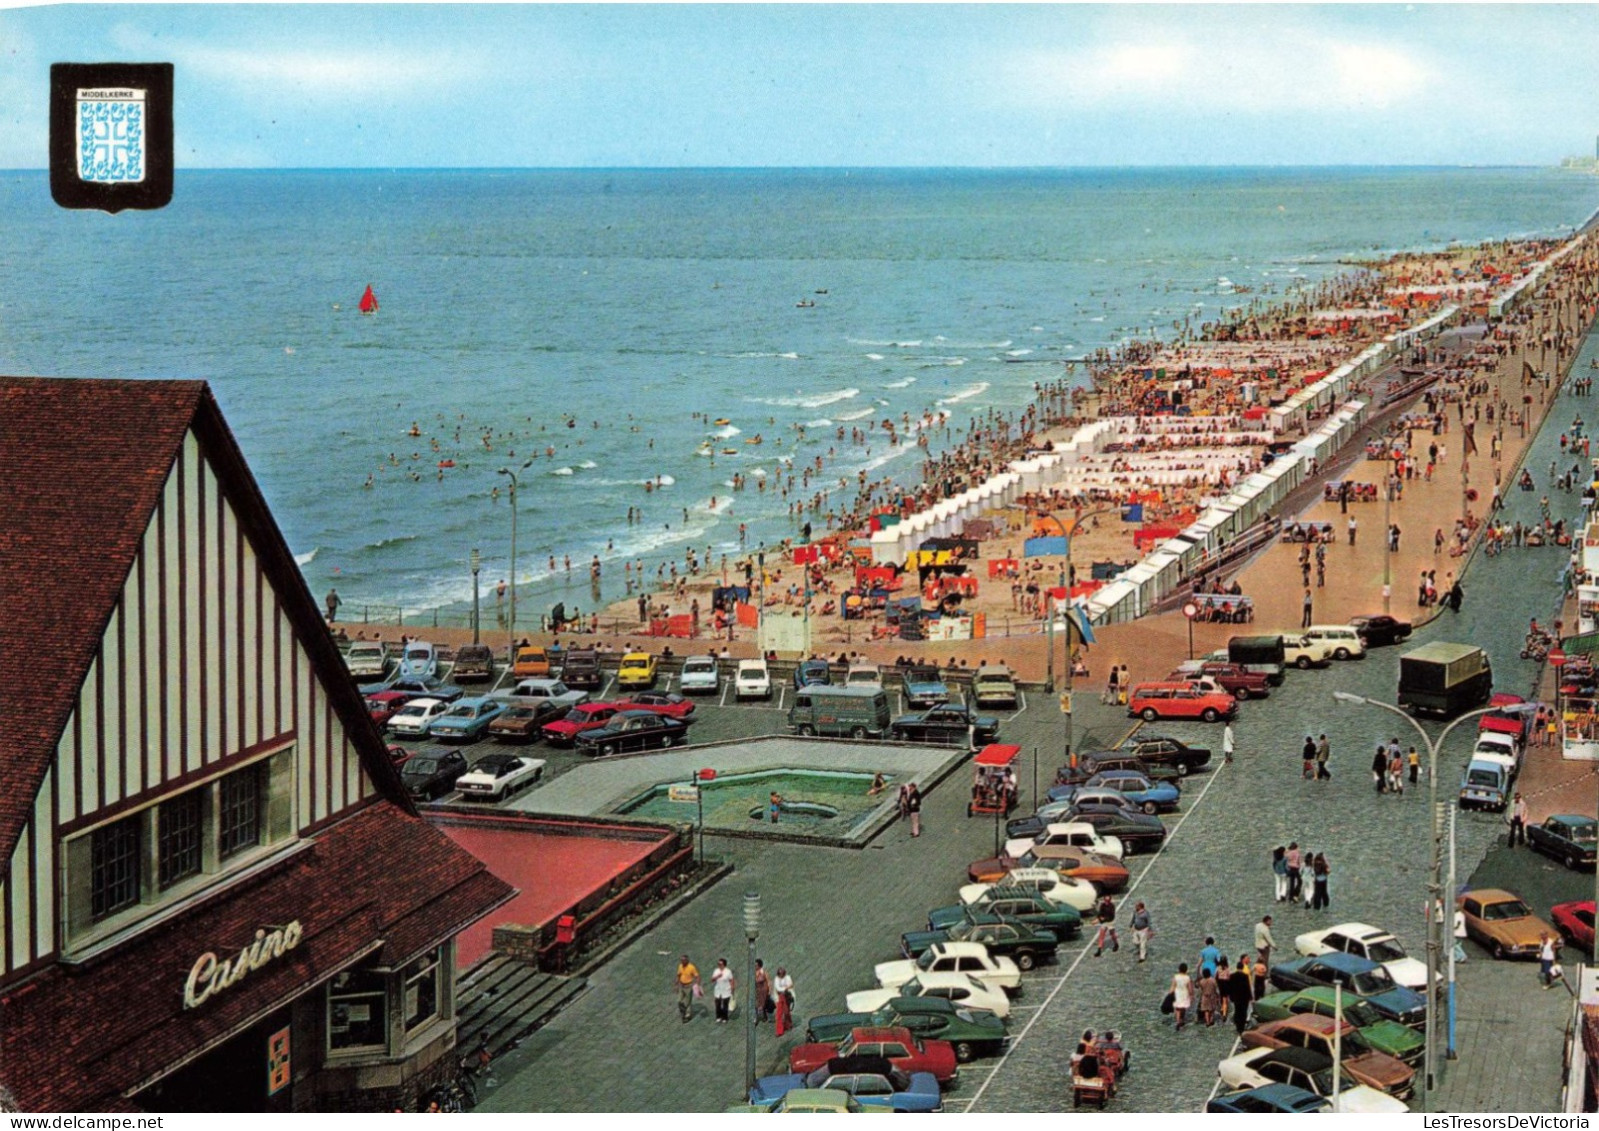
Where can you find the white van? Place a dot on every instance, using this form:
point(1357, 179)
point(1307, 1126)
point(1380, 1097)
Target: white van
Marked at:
point(1345, 641)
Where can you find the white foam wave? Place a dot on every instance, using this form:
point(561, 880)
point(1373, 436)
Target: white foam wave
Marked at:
point(965, 394)
point(395, 541)
point(307, 557)
point(664, 481)
point(727, 431)
point(563, 471)
point(752, 354)
point(939, 362)
point(588, 463)
point(874, 357)
point(819, 400)
point(1017, 353)
point(822, 423)
point(856, 415)
point(902, 383)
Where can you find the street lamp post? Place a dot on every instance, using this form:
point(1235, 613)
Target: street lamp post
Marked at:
point(510, 648)
point(752, 931)
point(1435, 866)
point(1068, 577)
point(477, 564)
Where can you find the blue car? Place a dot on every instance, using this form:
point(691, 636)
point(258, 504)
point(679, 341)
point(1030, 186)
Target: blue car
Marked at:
point(872, 1080)
point(1150, 796)
point(1360, 976)
point(468, 720)
point(924, 687)
point(1269, 1099)
point(812, 673)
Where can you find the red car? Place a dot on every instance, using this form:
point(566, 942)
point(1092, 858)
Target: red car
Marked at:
point(661, 702)
point(1574, 921)
point(383, 704)
point(399, 754)
point(585, 716)
point(1235, 679)
point(895, 1042)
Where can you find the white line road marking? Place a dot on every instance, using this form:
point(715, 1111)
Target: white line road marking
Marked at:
point(1060, 984)
point(1216, 1087)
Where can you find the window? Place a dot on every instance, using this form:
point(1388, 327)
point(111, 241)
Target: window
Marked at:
point(178, 836)
point(114, 873)
point(239, 816)
point(422, 989)
point(357, 1010)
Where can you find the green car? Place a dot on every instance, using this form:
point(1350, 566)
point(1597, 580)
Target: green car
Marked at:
point(974, 1033)
point(1379, 1032)
point(1018, 904)
point(1023, 943)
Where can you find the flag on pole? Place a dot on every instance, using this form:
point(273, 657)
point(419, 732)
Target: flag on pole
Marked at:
point(1079, 619)
point(1471, 438)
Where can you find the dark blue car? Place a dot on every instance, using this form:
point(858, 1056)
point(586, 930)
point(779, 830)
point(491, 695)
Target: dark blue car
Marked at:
point(1269, 1099)
point(812, 672)
point(872, 1080)
point(1361, 976)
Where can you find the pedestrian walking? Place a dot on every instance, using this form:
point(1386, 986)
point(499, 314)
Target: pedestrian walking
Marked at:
point(763, 992)
point(1379, 766)
point(783, 998)
point(1239, 993)
point(1142, 929)
point(1227, 743)
point(1320, 878)
point(1263, 940)
point(1307, 757)
point(1279, 872)
point(1305, 620)
point(723, 984)
point(1209, 998)
point(1112, 691)
point(1105, 912)
point(1210, 956)
point(1323, 754)
point(1460, 935)
point(913, 805)
point(333, 604)
point(1414, 759)
point(1546, 961)
point(1224, 974)
point(1124, 684)
point(1518, 820)
point(1257, 978)
point(1396, 772)
point(1352, 527)
point(1182, 991)
point(1295, 861)
point(688, 987)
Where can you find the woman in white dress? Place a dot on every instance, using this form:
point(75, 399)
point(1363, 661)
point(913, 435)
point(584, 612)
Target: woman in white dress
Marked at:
point(1182, 989)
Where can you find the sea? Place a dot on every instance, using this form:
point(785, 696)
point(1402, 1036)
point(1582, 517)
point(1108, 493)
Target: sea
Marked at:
point(601, 323)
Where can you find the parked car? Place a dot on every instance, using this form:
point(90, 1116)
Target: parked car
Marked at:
point(994, 686)
point(1102, 761)
point(806, 1101)
point(432, 772)
point(957, 988)
point(700, 676)
point(948, 957)
point(419, 660)
point(1381, 1033)
point(1366, 942)
point(864, 675)
point(1356, 975)
point(871, 1080)
point(1025, 944)
point(1235, 679)
point(554, 691)
point(1140, 792)
point(949, 724)
point(415, 718)
point(1016, 904)
point(637, 670)
point(1079, 834)
point(383, 705)
point(1574, 921)
point(628, 731)
point(523, 719)
point(1343, 639)
point(1318, 1034)
point(581, 669)
point(399, 755)
point(971, 1032)
point(1044, 883)
point(1157, 748)
point(1138, 831)
point(474, 663)
point(1179, 699)
point(1269, 1099)
point(812, 673)
point(661, 702)
point(1104, 872)
point(1302, 652)
point(752, 680)
point(367, 659)
point(496, 776)
point(1567, 838)
point(924, 687)
point(894, 1043)
point(564, 730)
point(532, 660)
point(417, 687)
point(1308, 1071)
point(467, 720)
point(1502, 923)
point(1381, 630)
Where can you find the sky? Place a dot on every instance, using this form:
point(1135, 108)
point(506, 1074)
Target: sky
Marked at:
point(988, 85)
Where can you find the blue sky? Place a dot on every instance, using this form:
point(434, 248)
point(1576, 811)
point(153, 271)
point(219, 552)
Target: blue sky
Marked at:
point(862, 84)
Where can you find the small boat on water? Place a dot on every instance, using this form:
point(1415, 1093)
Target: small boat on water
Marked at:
point(721, 422)
point(369, 301)
point(805, 303)
point(730, 451)
point(755, 439)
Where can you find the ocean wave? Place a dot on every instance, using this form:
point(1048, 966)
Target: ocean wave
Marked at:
point(965, 394)
point(902, 383)
point(588, 463)
point(753, 354)
point(943, 341)
point(1017, 353)
point(856, 415)
point(727, 431)
point(874, 357)
point(562, 471)
point(819, 400)
point(383, 543)
point(663, 481)
point(942, 362)
point(821, 423)
point(307, 557)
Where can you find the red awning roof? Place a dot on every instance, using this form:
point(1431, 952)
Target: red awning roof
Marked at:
point(998, 754)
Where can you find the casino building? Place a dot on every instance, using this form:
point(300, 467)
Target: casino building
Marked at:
point(214, 894)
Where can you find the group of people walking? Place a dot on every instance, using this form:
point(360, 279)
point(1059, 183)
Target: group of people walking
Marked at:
point(1217, 990)
point(774, 996)
point(1289, 866)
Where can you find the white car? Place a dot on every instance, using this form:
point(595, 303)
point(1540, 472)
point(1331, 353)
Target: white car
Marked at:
point(1302, 652)
point(752, 681)
point(969, 958)
point(864, 675)
point(499, 775)
point(699, 676)
point(1343, 638)
point(420, 660)
point(1308, 1070)
point(959, 989)
point(368, 659)
point(1046, 883)
point(541, 691)
point(416, 717)
point(1367, 942)
point(1077, 833)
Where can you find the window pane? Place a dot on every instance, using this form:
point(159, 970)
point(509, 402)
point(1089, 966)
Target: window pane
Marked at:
point(239, 823)
point(179, 833)
point(114, 872)
point(422, 990)
point(357, 1010)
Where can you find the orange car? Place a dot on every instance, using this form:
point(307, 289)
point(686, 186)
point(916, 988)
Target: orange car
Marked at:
point(1105, 872)
point(1180, 699)
point(1315, 1032)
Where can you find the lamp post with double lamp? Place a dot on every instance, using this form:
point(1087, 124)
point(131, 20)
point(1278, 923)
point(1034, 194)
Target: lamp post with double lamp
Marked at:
point(1435, 863)
point(1068, 577)
point(752, 931)
point(510, 647)
point(477, 564)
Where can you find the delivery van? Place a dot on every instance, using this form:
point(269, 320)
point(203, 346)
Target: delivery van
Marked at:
point(839, 712)
point(1444, 679)
point(1261, 654)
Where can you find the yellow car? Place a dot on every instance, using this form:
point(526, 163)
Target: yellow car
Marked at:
point(531, 660)
point(637, 670)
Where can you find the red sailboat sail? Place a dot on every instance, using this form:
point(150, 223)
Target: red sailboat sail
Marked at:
point(369, 301)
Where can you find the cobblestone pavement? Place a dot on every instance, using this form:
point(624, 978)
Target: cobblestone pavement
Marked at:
point(829, 914)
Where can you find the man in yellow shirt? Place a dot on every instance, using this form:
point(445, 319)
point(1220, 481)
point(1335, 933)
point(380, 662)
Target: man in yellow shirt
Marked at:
point(688, 977)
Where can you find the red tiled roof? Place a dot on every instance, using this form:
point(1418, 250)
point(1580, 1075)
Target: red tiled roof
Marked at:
point(82, 465)
point(80, 1039)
